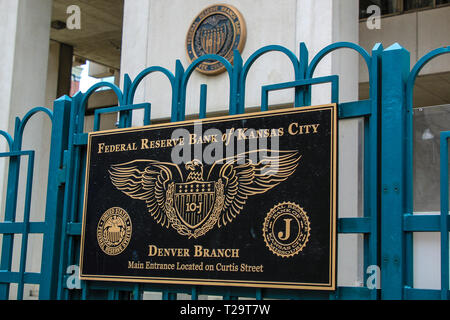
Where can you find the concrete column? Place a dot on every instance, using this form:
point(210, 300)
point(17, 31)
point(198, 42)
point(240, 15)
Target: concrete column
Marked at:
point(323, 22)
point(135, 37)
point(24, 35)
point(320, 23)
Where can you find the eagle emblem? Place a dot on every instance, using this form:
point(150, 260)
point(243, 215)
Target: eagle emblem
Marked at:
point(193, 201)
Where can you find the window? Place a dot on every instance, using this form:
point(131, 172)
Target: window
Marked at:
point(398, 6)
point(386, 6)
point(441, 2)
point(417, 4)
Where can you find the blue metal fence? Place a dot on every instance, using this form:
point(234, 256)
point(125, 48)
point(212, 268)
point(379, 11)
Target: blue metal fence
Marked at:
point(387, 222)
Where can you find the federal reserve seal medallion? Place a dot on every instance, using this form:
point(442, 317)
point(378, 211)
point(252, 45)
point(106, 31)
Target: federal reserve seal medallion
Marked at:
point(219, 29)
point(286, 229)
point(114, 231)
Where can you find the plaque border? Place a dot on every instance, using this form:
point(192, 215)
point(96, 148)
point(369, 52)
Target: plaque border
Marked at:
point(330, 286)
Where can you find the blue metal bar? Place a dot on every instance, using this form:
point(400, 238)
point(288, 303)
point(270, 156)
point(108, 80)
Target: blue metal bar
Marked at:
point(80, 139)
point(137, 292)
point(94, 88)
point(395, 68)
point(300, 93)
point(422, 294)
point(18, 227)
point(355, 109)
point(259, 294)
point(19, 131)
point(8, 138)
point(235, 89)
point(444, 214)
point(251, 60)
point(354, 225)
point(194, 293)
point(371, 165)
point(332, 47)
point(72, 153)
point(421, 223)
point(10, 214)
point(334, 80)
point(98, 112)
point(26, 227)
point(73, 228)
point(55, 199)
point(7, 277)
point(177, 108)
point(187, 74)
point(203, 92)
point(144, 73)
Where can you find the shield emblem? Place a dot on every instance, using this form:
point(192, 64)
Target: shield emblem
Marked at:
point(194, 202)
point(212, 40)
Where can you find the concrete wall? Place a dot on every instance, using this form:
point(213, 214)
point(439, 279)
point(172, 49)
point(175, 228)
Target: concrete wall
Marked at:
point(155, 34)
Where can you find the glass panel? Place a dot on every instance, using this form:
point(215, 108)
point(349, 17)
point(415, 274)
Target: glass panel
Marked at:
point(439, 2)
point(427, 260)
point(416, 4)
point(428, 122)
point(350, 259)
point(34, 252)
point(31, 292)
point(386, 6)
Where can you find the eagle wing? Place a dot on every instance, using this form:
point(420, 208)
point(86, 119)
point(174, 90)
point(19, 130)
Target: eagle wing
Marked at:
point(146, 180)
point(251, 173)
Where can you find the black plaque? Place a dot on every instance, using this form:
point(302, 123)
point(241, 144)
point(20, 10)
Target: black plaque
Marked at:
point(247, 200)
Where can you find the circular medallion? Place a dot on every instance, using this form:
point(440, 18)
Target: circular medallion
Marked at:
point(219, 29)
point(114, 231)
point(286, 229)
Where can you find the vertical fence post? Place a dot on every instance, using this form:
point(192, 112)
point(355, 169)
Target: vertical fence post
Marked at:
point(55, 199)
point(395, 70)
point(444, 215)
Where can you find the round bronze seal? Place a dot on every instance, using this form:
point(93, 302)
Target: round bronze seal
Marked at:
point(286, 229)
point(219, 29)
point(114, 231)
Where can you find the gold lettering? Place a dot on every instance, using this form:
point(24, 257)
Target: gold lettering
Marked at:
point(101, 146)
point(152, 249)
point(241, 133)
point(192, 138)
point(291, 128)
point(198, 251)
point(144, 143)
point(315, 127)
